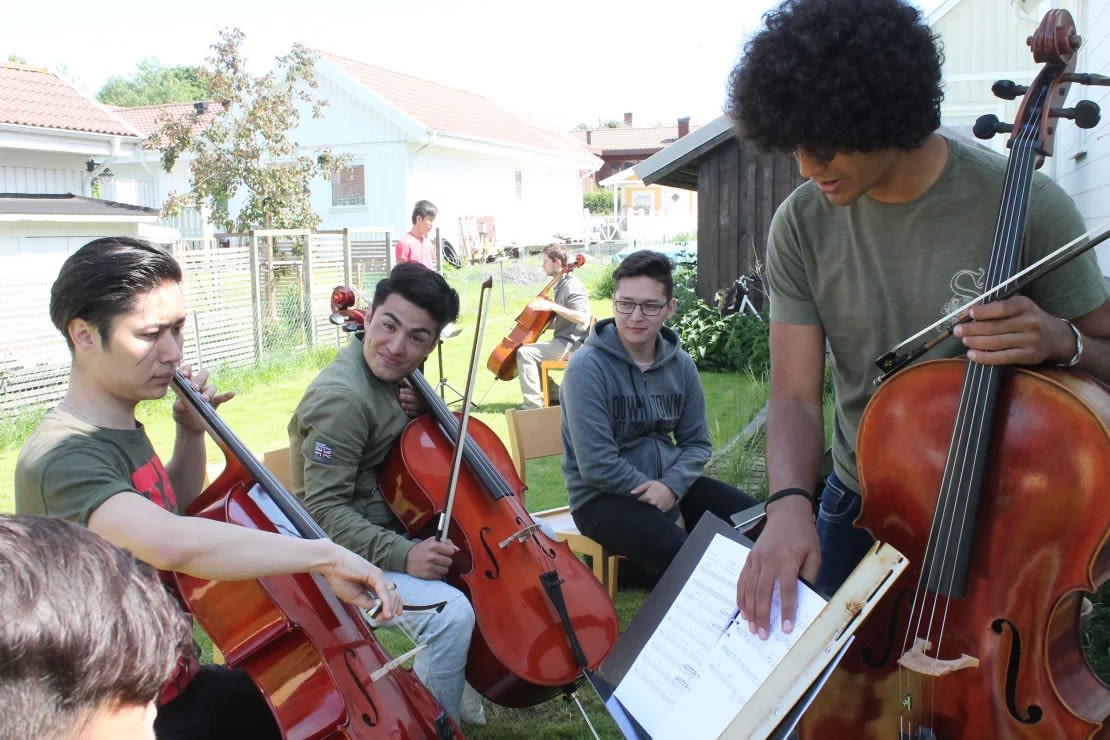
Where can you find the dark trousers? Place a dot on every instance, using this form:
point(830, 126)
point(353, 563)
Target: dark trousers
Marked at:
point(650, 538)
point(219, 704)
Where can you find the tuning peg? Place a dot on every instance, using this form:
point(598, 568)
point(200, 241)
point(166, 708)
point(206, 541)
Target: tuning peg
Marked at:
point(986, 126)
point(1085, 113)
point(1008, 89)
point(1085, 79)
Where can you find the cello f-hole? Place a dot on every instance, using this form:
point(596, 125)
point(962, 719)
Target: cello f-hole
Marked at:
point(1013, 668)
point(878, 656)
point(350, 660)
point(496, 570)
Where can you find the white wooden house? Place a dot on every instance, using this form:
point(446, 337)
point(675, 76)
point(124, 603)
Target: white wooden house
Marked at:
point(985, 40)
point(413, 139)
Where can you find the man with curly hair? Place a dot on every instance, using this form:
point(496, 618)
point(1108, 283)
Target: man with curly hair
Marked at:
point(894, 217)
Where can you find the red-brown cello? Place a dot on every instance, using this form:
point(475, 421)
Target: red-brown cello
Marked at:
point(312, 656)
point(530, 323)
point(542, 619)
point(1005, 471)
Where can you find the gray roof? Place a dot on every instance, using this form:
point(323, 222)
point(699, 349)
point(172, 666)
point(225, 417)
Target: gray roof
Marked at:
point(68, 204)
point(676, 164)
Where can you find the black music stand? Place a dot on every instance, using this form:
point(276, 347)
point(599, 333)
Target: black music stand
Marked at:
point(449, 331)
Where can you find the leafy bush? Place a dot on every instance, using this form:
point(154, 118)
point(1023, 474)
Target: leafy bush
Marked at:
point(603, 286)
point(736, 342)
point(598, 200)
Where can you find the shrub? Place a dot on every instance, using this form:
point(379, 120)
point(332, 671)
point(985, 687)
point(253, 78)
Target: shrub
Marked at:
point(736, 342)
point(598, 200)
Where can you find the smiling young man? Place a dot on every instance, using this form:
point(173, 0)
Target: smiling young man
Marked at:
point(121, 308)
point(570, 305)
point(894, 220)
point(635, 435)
point(415, 246)
point(345, 426)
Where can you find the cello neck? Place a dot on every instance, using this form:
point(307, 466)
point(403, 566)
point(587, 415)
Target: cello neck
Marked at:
point(234, 448)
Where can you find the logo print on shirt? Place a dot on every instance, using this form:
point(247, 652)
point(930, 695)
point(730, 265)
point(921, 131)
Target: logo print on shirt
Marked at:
point(152, 481)
point(321, 453)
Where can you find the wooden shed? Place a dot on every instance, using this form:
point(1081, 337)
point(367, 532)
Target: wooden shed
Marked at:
point(738, 189)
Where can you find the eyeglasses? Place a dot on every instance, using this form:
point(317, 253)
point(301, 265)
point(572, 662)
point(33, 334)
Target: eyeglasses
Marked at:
point(647, 309)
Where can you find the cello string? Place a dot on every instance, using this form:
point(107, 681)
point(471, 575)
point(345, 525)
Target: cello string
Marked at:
point(956, 503)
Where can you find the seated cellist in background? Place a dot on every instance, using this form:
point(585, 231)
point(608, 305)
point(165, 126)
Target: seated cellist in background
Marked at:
point(571, 306)
point(344, 427)
point(894, 217)
point(92, 672)
point(121, 308)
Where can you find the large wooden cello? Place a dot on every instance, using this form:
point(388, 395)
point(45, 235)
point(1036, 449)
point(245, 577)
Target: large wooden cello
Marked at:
point(313, 657)
point(993, 482)
point(542, 620)
point(530, 324)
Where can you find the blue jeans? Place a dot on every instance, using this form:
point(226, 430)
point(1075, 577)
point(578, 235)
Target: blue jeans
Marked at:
point(843, 545)
point(442, 665)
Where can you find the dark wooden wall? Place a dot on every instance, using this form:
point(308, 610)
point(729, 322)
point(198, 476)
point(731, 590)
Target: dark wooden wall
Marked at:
point(739, 189)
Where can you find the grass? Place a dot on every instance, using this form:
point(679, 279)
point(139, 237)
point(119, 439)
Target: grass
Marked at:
point(267, 395)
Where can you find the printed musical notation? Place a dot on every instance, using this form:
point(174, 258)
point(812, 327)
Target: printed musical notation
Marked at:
point(701, 665)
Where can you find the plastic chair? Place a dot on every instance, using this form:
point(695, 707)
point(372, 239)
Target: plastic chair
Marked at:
point(535, 433)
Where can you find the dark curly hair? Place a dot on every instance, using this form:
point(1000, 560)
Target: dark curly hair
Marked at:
point(830, 76)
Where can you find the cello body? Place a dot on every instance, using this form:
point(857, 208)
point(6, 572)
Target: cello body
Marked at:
point(1040, 542)
point(519, 653)
point(310, 654)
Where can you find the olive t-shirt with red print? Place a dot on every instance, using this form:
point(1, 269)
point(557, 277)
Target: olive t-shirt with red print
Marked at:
point(69, 467)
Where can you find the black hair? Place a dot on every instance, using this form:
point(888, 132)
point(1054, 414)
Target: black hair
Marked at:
point(87, 627)
point(424, 208)
point(828, 76)
point(101, 280)
point(646, 263)
point(421, 287)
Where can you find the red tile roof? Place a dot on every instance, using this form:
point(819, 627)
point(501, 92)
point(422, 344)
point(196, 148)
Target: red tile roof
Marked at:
point(456, 112)
point(148, 118)
point(622, 138)
point(32, 96)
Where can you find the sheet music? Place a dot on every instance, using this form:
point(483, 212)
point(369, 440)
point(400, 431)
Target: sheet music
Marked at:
point(700, 665)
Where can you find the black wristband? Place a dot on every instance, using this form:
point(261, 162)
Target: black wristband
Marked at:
point(777, 495)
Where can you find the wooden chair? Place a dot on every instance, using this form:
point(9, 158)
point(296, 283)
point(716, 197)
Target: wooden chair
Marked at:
point(548, 365)
point(535, 433)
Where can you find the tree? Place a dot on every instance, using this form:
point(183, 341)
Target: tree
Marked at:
point(598, 200)
point(245, 147)
point(16, 59)
point(154, 84)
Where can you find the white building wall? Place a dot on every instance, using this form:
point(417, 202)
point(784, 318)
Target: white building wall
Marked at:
point(1083, 157)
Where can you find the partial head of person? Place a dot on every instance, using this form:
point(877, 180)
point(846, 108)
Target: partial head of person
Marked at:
point(89, 634)
point(423, 217)
point(839, 83)
point(408, 313)
point(119, 303)
point(554, 260)
point(643, 299)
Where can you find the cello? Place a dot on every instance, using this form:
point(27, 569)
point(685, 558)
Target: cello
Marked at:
point(530, 323)
point(313, 657)
point(542, 620)
point(1003, 535)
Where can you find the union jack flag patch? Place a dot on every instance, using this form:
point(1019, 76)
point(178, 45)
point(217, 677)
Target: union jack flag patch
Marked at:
point(322, 453)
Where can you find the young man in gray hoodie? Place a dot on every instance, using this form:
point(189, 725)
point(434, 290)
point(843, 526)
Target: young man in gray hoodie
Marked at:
point(634, 427)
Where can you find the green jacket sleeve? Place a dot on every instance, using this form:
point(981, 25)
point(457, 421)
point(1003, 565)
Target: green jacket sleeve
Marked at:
point(329, 438)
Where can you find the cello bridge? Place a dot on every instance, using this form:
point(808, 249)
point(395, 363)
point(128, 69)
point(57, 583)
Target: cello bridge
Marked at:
point(916, 660)
point(519, 536)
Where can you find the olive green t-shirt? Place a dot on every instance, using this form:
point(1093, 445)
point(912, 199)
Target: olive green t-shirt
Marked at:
point(873, 274)
point(68, 467)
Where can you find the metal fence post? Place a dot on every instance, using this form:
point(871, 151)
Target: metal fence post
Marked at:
point(256, 298)
point(306, 313)
point(347, 256)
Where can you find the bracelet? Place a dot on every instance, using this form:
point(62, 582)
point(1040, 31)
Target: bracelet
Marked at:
point(777, 495)
point(1078, 346)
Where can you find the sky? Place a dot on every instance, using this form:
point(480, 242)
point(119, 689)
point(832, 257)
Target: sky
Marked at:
point(564, 62)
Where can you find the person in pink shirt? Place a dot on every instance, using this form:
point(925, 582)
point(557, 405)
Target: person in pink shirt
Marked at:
point(415, 246)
